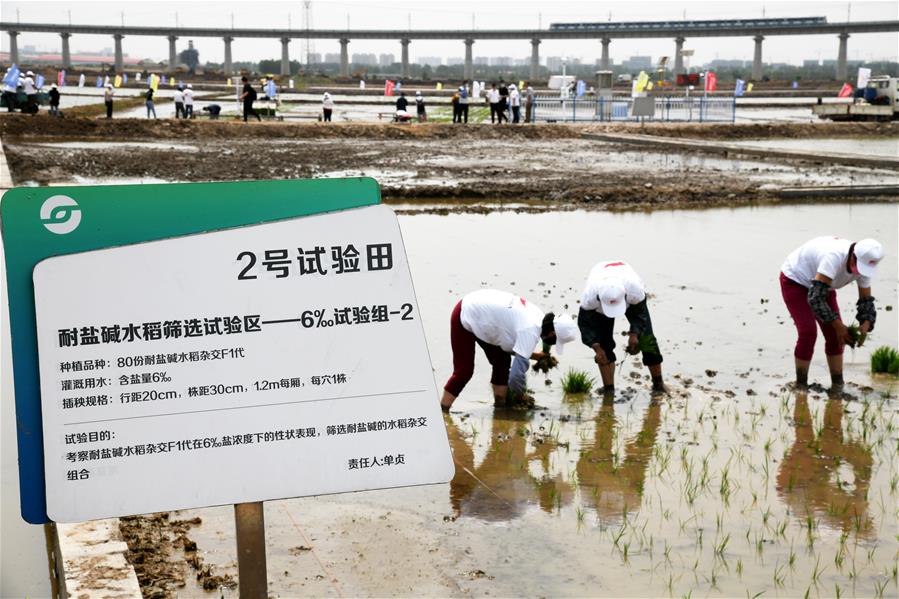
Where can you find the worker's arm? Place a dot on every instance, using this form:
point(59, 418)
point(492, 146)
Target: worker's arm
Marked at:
point(518, 375)
point(817, 300)
point(866, 313)
point(588, 323)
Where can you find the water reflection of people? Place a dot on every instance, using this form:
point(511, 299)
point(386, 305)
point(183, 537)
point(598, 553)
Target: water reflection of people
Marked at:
point(809, 478)
point(504, 484)
point(616, 488)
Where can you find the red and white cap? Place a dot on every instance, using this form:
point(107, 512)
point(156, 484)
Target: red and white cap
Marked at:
point(566, 331)
point(868, 254)
point(612, 297)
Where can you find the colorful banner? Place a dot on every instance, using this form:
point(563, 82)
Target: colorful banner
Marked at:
point(154, 82)
point(99, 81)
point(864, 74)
point(81, 80)
point(12, 76)
point(748, 87)
point(39, 81)
point(641, 82)
point(739, 88)
point(125, 79)
point(581, 88)
point(389, 87)
point(845, 91)
point(118, 81)
point(61, 78)
point(271, 90)
point(711, 81)
point(439, 86)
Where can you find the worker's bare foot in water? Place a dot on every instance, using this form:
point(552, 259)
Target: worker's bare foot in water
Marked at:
point(658, 387)
point(447, 400)
point(608, 390)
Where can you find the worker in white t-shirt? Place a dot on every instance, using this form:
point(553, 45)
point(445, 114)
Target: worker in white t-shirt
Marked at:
point(508, 329)
point(809, 279)
point(189, 101)
point(178, 99)
point(614, 289)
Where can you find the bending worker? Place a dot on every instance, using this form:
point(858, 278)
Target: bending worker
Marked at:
point(614, 289)
point(504, 325)
point(809, 279)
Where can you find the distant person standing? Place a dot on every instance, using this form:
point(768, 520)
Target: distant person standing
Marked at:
point(463, 102)
point(107, 99)
point(189, 102)
point(54, 100)
point(493, 101)
point(248, 96)
point(515, 103)
point(327, 107)
point(150, 106)
point(30, 93)
point(402, 103)
point(9, 93)
point(420, 108)
point(504, 99)
point(528, 102)
point(178, 98)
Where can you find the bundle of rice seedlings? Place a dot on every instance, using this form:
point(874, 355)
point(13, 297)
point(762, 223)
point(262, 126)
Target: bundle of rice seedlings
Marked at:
point(577, 381)
point(516, 400)
point(545, 363)
point(885, 359)
point(647, 344)
point(856, 337)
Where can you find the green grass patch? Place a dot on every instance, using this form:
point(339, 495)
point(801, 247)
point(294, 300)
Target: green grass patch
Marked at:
point(577, 381)
point(885, 359)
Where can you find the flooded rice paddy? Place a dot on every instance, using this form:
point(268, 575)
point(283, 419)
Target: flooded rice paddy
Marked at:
point(730, 486)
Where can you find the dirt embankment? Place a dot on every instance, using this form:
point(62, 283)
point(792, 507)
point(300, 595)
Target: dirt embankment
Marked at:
point(16, 125)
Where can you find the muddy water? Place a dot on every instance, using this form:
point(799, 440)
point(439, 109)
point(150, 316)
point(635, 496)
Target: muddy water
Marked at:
point(863, 146)
point(730, 486)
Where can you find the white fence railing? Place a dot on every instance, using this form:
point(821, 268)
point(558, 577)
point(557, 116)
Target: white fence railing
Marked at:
point(621, 108)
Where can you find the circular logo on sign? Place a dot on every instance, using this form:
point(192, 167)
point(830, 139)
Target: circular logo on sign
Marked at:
point(60, 214)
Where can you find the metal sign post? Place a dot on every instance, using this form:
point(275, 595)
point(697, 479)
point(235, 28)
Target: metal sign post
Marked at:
point(249, 521)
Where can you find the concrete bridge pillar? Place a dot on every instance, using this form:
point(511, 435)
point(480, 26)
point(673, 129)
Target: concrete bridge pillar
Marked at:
point(285, 56)
point(229, 69)
point(842, 69)
point(678, 55)
point(604, 60)
point(119, 60)
point(757, 59)
point(173, 53)
point(535, 59)
point(468, 69)
point(66, 54)
point(14, 47)
point(405, 58)
point(344, 58)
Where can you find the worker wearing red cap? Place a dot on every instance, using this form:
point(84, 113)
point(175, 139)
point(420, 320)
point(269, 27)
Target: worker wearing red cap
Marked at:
point(809, 279)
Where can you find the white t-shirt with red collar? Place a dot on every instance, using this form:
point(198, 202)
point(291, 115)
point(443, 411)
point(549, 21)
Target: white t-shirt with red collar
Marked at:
point(503, 319)
point(826, 255)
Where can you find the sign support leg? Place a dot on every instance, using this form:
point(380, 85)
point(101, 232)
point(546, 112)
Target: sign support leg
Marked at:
point(249, 522)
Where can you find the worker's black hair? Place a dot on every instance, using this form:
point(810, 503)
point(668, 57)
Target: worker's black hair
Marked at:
point(548, 327)
point(243, 78)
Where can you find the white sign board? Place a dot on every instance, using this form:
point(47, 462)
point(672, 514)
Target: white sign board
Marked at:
point(271, 361)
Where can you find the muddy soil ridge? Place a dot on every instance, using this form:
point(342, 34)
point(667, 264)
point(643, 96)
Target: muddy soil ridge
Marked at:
point(17, 125)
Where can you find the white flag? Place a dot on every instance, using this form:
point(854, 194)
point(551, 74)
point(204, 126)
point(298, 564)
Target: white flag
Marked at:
point(863, 75)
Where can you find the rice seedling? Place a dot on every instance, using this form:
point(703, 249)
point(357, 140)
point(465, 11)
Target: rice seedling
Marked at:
point(856, 337)
point(885, 359)
point(577, 381)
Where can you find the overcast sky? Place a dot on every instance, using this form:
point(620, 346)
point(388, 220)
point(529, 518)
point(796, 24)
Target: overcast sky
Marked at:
point(454, 14)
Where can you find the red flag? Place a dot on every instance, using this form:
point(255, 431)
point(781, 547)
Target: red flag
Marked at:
point(846, 91)
point(61, 78)
point(388, 87)
point(711, 81)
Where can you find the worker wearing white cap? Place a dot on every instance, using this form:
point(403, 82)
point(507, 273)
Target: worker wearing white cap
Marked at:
point(30, 90)
point(614, 289)
point(508, 329)
point(809, 279)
